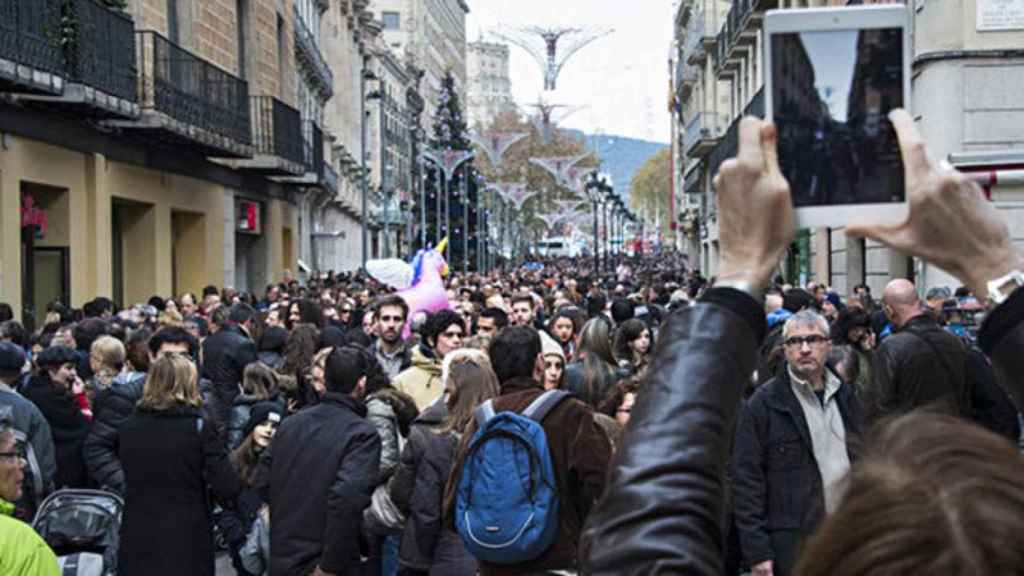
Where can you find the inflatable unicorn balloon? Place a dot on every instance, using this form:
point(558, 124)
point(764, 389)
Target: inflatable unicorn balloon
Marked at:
point(420, 284)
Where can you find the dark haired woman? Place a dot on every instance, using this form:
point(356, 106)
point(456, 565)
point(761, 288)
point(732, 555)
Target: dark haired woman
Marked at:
point(594, 371)
point(633, 346)
point(237, 524)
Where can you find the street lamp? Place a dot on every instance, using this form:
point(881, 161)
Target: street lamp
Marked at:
point(595, 193)
point(365, 76)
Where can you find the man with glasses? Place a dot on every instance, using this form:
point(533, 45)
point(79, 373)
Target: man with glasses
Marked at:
point(792, 447)
point(442, 333)
point(22, 550)
point(391, 351)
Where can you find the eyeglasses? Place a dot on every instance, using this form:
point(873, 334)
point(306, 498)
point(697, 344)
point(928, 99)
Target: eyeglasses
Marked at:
point(11, 456)
point(799, 341)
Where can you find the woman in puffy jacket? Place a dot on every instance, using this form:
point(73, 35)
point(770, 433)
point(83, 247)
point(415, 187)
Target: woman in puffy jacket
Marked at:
point(417, 487)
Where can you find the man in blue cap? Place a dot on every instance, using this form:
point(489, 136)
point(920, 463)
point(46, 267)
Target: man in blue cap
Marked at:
point(31, 430)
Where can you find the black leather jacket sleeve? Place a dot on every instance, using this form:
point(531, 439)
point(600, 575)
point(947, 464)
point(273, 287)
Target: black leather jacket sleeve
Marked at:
point(348, 496)
point(662, 511)
point(1002, 338)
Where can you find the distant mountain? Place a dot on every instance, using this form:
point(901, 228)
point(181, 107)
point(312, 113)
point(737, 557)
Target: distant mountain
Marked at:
point(622, 157)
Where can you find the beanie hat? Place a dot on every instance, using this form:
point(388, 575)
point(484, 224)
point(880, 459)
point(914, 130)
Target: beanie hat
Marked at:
point(260, 413)
point(796, 300)
point(549, 347)
point(12, 359)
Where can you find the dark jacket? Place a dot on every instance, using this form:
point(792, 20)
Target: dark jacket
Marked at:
point(169, 459)
point(41, 463)
point(663, 508)
point(778, 493)
point(580, 452)
point(417, 489)
point(920, 365)
point(660, 514)
point(68, 427)
point(226, 354)
point(322, 469)
point(991, 406)
point(111, 408)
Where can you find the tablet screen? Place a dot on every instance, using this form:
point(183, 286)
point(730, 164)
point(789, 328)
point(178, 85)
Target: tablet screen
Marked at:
point(831, 95)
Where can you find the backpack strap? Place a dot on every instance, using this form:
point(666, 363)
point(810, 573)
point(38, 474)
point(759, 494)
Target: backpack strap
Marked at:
point(540, 407)
point(483, 413)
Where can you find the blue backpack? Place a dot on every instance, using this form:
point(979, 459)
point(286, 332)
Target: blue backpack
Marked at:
point(506, 508)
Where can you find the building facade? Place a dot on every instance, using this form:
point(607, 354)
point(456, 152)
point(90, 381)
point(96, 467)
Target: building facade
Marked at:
point(489, 88)
point(430, 35)
point(154, 150)
point(966, 109)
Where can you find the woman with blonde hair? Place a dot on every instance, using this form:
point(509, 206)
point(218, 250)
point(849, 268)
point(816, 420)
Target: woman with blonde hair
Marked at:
point(106, 359)
point(171, 455)
point(417, 487)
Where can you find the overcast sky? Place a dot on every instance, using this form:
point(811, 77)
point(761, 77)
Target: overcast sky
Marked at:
point(621, 81)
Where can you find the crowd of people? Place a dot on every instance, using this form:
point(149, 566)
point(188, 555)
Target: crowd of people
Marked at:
point(555, 419)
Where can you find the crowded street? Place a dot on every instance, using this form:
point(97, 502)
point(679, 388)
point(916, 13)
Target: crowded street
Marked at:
point(451, 288)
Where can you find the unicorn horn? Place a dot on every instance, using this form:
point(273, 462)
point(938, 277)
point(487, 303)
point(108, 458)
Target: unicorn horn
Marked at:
point(442, 245)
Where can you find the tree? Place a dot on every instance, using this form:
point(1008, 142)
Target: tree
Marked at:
point(651, 188)
point(516, 167)
point(449, 133)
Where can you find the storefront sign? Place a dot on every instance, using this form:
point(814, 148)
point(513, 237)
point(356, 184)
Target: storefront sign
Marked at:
point(248, 217)
point(996, 15)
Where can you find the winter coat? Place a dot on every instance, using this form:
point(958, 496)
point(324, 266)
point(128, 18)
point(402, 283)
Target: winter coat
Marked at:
point(41, 467)
point(391, 412)
point(394, 363)
point(417, 489)
point(225, 356)
point(240, 410)
point(22, 551)
point(919, 365)
point(318, 475)
point(779, 497)
point(170, 457)
point(422, 380)
point(580, 453)
point(68, 427)
point(111, 408)
point(255, 554)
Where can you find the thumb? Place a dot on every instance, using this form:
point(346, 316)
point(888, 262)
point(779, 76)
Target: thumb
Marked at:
point(769, 148)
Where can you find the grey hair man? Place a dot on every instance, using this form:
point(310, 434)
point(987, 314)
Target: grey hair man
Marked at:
point(792, 447)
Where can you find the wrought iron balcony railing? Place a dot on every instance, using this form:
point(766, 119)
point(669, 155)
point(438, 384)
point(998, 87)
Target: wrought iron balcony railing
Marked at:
point(728, 146)
point(308, 53)
point(100, 49)
point(313, 149)
point(31, 58)
point(276, 129)
point(202, 100)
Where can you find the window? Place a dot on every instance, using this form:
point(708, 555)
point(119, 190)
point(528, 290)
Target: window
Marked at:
point(281, 55)
point(173, 32)
point(242, 26)
point(392, 20)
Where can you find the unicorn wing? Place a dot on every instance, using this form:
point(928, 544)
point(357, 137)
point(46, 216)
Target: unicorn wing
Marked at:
point(391, 271)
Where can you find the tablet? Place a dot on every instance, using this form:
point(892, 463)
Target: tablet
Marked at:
point(832, 75)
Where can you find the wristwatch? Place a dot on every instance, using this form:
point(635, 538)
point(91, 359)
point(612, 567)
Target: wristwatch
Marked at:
point(1001, 288)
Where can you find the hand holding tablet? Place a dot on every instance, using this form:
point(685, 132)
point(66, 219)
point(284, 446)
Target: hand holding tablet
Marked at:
point(832, 77)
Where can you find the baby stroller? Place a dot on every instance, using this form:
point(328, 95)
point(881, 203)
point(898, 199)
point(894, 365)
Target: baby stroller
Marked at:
point(83, 528)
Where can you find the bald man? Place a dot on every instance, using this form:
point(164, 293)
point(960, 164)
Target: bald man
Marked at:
point(919, 365)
